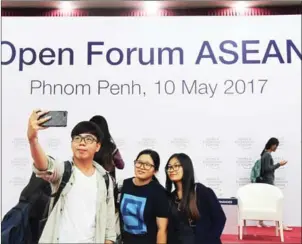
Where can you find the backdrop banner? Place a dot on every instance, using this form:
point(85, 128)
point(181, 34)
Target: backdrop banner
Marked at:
point(216, 88)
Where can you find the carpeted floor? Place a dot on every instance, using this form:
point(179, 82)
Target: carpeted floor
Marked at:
point(264, 235)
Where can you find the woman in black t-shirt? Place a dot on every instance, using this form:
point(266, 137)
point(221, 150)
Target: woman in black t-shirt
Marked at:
point(144, 203)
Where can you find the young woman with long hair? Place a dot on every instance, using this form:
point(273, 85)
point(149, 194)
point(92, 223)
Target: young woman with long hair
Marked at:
point(196, 215)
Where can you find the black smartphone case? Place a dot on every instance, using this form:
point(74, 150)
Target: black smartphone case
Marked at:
point(58, 119)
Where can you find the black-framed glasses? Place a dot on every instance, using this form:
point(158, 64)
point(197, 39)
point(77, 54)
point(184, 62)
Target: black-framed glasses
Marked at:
point(174, 167)
point(86, 139)
point(144, 165)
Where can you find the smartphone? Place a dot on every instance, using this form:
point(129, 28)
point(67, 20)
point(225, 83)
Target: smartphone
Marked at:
point(58, 119)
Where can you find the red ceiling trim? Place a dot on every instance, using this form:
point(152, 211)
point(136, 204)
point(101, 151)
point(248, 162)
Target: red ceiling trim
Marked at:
point(296, 10)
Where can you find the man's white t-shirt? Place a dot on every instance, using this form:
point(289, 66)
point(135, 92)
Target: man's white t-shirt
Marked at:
point(77, 224)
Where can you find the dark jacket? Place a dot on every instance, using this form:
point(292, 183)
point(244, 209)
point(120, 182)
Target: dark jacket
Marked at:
point(268, 168)
point(212, 219)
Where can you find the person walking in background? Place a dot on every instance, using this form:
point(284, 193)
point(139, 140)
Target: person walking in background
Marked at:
point(196, 215)
point(144, 203)
point(268, 168)
point(109, 156)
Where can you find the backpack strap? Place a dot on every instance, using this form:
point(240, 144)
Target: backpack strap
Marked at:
point(64, 181)
point(106, 178)
point(122, 227)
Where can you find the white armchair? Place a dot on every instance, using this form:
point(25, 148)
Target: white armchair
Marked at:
point(259, 201)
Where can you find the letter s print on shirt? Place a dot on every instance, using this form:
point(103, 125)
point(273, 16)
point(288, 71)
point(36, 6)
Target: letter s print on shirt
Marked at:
point(132, 210)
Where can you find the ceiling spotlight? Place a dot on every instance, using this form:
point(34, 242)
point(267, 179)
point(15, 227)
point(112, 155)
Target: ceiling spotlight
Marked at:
point(66, 6)
point(151, 7)
point(240, 5)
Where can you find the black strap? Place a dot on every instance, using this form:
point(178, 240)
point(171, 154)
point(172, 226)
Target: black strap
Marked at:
point(64, 181)
point(106, 177)
point(121, 216)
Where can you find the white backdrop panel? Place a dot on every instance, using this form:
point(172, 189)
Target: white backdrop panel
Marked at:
point(223, 133)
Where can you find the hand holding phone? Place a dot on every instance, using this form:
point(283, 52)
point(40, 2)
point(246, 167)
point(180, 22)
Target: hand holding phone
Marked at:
point(283, 162)
point(34, 123)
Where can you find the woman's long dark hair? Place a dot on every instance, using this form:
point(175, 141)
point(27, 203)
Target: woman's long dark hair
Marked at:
point(155, 158)
point(271, 142)
point(188, 202)
point(104, 157)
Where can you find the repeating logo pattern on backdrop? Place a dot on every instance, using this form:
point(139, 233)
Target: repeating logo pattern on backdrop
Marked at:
point(20, 163)
point(20, 143)
point(216, 184)
point(245, 163)
point(245, 143)
point(180, 143)
point(242, 181)
point(212, 143)
point(147, 142)
point(18, 182)
point(213, 163)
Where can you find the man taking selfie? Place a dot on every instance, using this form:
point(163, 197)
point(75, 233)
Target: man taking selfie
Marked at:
point(84, 212)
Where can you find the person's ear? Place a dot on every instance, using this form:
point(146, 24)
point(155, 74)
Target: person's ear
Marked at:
point(98, 147)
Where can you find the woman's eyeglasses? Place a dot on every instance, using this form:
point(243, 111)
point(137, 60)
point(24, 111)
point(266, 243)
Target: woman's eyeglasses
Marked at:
point(140, 164)
point(174, 167)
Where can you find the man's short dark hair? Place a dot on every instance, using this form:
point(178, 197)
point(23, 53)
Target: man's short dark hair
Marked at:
point(89, 128)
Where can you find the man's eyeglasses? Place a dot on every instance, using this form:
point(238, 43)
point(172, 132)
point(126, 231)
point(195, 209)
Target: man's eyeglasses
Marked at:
point(140, 164)
point(174, 167)
point(87, 139)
